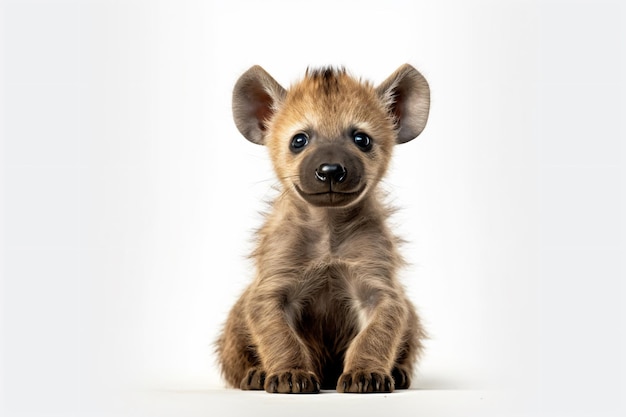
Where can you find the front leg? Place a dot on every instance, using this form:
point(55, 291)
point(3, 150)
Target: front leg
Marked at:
point(285, 358)
point(370, 358)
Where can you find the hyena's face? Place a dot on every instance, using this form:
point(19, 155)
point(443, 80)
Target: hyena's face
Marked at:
point(330, 136)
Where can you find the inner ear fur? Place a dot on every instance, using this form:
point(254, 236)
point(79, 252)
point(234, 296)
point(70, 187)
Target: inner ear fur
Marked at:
point(255, 98)
point(407, 96)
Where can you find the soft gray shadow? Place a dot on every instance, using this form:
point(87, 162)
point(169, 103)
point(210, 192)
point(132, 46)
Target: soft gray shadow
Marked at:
point(428, 382)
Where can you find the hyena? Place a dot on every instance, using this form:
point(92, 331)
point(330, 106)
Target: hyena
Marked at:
point(326, 309)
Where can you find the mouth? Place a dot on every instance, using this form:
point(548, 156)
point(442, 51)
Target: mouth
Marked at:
point(330, 198)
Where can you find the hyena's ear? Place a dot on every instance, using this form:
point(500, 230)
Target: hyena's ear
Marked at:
point(407, 96)
point(255, 98)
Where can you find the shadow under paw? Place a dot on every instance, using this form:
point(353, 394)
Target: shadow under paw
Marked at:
point(365, 381)
point(295, 381)
point(254, 380)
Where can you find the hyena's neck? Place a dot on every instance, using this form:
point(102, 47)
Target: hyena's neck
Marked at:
point(315, 233)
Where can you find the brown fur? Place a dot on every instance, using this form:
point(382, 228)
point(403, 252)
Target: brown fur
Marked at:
point(326, 309)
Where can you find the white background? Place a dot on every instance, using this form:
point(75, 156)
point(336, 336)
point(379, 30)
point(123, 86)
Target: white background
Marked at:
point(129, 198)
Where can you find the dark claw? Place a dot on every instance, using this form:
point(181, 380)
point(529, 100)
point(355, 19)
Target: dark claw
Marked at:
point(273, 386)
point(387, 385)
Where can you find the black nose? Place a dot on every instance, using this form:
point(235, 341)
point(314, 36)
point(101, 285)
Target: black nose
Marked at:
point(332, 172)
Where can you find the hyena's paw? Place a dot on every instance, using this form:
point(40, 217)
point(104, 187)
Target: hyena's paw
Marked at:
point(365, 381)
point(294, 381)
point(401, 378)
point(254, 379)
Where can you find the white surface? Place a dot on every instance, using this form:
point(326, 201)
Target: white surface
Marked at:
point(128, 199)
point(233, 403)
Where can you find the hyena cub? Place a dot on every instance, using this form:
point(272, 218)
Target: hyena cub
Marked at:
point(326, 309)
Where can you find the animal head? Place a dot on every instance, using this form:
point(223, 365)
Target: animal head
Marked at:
point(330, 136)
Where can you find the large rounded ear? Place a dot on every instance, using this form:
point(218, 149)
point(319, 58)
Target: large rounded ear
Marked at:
point(407, 96)
point(255, 98)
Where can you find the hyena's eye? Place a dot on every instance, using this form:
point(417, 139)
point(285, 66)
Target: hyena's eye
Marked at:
point(298, 142)
point(362, 141)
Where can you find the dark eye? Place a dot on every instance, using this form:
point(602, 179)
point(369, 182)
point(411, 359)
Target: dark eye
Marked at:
point(362, 141)
point(299, 141)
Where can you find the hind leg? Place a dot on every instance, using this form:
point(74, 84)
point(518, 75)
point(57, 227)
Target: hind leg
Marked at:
point(409, 351)
point(237, 355)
